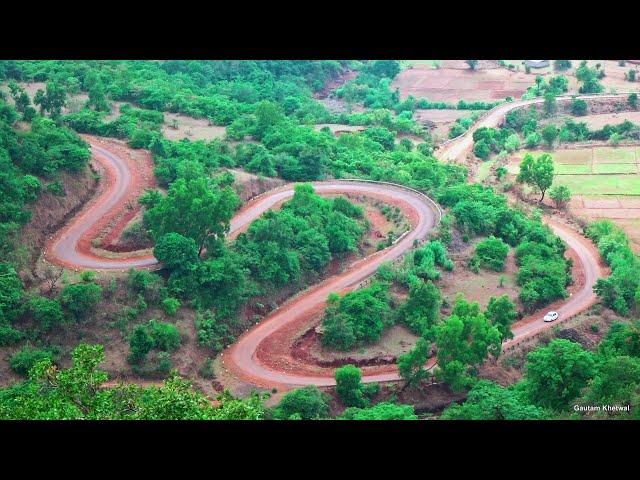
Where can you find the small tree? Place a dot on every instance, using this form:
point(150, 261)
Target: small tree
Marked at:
point(350, 389)
point(411, 364)
point(473, 64)
point(631, 75)
point(561, 65)
point(140, 344)
point(307, 403)
point(633, 100)
point(614, 139)
point(492, 253)
point(561, 195)
point(550, 134)
point(537, 172)
point(550, 104)
point(579, 107)
point(502, 313)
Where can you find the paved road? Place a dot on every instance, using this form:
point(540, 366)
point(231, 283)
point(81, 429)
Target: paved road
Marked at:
point(71, 247)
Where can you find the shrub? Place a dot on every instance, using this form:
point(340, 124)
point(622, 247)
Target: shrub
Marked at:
point(9, 335)
point(307, 403)
point(80, 299)
point(165, 336)
point(23, 360)
point(492, 253)
point(46, 311)
point(171, 306)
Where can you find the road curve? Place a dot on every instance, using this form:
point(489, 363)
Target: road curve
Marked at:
point(71, 247)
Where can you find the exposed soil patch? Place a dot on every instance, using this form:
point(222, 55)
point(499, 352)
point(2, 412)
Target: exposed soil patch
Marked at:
point(479, 287)
point(177, 126)
point(456, 81)
point(394, 341)
point(248, 185)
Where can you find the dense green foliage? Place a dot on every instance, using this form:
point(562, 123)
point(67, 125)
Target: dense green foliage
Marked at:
point(359, 317)
point(307, 403)
point(78, 392)
point(29, 157)
point(491, 253)
point(381, 411)
point(350, 389)
point(464, 341)
point(543, 273)
point(621, 290)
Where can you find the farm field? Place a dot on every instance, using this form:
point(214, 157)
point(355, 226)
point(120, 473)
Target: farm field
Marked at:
point(454, 81)
point(605, 183)
point(614, 80)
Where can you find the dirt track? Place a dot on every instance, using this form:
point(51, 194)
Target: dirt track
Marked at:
point(260, 356)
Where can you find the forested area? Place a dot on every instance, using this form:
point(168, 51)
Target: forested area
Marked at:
point(564, 380)
point(269, 111)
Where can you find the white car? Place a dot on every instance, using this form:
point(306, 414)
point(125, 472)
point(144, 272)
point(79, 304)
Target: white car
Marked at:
point(551, 316)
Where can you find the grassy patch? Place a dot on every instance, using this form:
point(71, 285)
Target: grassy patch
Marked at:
point(614, 155)
point(602, 184)
point(569, 169)
point(615, 168)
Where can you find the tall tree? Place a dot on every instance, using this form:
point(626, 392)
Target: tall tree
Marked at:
point(537, 172)
point(196, 209)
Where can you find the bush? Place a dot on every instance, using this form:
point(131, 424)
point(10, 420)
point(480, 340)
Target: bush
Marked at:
point(171, 306)
point(80, 299)
point(23, 360)
point(579, 107)
point(350, 390)
point(140, 344)
point(9, 335)
point(492, 253)
point(359, 317)
point(307, 403)
point(165, 336)
point(48, 312)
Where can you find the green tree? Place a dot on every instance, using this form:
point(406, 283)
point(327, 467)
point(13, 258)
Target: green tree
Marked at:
point(537, 172)
point(52, 100)
point(492, 253)
point(633, 100)
point(501, 311)
point(473, 64)
point(46, 311)
point(307, 403)
point(350, 389)
point(11, 292)
point(616, 382)
point(24, 360)
point(561, 195)
point(81, 299)
point(561, 65)
point(166, 336)
point(176, 251)
point(550, 105)
point(140, 344)
point(411, 364)
point(381, 411)
point(489, 401)
point(422, 309)
point(464, 341)
point(579, 107)
point(556, 374)
point(195, 209)
point(550, 134)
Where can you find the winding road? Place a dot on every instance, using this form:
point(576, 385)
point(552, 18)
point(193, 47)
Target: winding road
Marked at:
point(262, 355)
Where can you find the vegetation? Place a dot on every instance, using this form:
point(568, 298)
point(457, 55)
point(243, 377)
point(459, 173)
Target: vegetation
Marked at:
point(621, 290)
point(78, 392)
point(307, 403)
